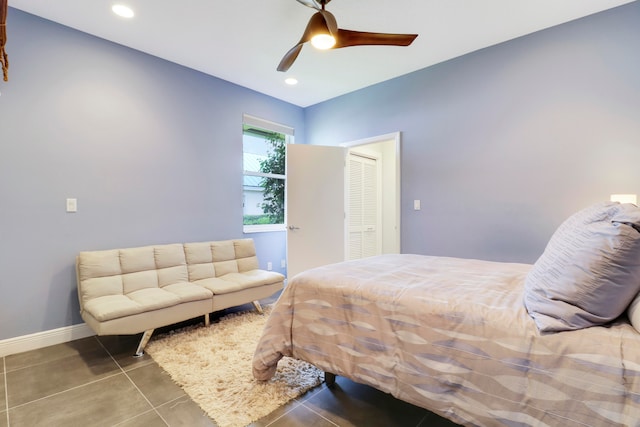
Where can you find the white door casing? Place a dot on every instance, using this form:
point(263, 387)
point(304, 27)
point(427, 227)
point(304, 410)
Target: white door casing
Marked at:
point(387, 149)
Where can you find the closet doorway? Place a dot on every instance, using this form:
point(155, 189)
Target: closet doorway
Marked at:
point(319, 202)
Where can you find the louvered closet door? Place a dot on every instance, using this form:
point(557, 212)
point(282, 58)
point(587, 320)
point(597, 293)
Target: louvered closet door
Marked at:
point(364, 207)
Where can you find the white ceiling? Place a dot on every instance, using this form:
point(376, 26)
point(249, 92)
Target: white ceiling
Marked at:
point(242, 41)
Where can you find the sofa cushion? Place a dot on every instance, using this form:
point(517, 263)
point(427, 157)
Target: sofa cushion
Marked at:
point(138, 280)
point(219, 286)
point(589, 271)
point(253, 278)
point(247, 264)
point(246, 255)
point(198, 253)
point(244, 248)
point(154, 298)
point(234, 282)
point(99, 287)
point(171, 264)
point(223, 250)
point(133, 260)
point(200, 271)
point(199, 260)
point(188, 291)
point(216, 259)
point(111, 307)
point(92, 264)
point(222, 268)
point(152, 266)
point(114, 306)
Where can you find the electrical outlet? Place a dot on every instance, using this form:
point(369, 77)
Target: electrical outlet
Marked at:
point(269, 266)
point(283, 263)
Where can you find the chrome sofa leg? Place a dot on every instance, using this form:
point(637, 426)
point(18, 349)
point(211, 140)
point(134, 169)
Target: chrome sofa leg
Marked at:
point(258, 307)
point(143, 342)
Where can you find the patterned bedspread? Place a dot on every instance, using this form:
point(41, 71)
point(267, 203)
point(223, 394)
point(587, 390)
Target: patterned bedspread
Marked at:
point(452, 335)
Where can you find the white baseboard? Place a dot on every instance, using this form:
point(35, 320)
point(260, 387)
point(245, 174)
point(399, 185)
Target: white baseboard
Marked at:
point(44, 339)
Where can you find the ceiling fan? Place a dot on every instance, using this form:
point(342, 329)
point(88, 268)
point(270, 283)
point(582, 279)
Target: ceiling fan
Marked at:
point(323, 32)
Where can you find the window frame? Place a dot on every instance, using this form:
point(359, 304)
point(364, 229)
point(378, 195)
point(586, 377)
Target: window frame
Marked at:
point(289, 139)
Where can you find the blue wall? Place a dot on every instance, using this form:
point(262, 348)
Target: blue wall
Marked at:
point(151, 150)
point(500, 145)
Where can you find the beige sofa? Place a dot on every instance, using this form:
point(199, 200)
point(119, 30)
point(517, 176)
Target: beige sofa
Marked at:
point(134, 290)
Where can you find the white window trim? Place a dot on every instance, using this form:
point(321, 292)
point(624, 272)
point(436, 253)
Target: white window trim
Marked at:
point(288, 132)
point(265, 175)
point(263, 228)
point(266, 124)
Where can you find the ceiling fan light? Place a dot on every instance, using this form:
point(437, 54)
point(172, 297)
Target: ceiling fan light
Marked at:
point(323, 41)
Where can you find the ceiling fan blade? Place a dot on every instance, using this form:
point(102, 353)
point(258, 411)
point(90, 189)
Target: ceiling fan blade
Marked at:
point(348, 38)
point(289, 57)
point(316, 23)
point(311, 3)
point(330, 22)
point(323, 21)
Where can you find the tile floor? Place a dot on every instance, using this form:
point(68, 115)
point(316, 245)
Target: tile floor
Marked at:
point(95, 381)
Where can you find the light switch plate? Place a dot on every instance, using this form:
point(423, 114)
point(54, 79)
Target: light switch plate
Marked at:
point(416, 205)
point(72, 205)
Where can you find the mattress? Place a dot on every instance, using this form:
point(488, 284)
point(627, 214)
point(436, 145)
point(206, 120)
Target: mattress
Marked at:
point(452, 336)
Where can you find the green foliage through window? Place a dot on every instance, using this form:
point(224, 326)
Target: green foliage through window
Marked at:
point(264, 154)
point(273, 204)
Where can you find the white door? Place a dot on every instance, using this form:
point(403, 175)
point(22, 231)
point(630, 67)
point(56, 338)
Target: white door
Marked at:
point(364, 212)
point(315, 206)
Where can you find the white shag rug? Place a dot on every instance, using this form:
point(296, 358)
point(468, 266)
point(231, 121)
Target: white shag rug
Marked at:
point(213, 366)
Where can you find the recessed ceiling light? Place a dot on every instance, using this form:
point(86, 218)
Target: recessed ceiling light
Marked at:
point(291, 81)
point(122, 10)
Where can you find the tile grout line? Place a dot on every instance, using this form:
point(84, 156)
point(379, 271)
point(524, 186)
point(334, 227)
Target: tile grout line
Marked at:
point(33, 365)
point(60, 392)
point(134, 417)
point(145, 398)
point(285, 414)
point(6, 385)
point(421, 423)
point(299, 402)
point(302, 403)
point(319, 414)
point(153, 408)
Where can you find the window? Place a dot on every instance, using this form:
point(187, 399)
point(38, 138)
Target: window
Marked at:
point(264, 150)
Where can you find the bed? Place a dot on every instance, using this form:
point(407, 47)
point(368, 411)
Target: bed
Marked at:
point(454, 336)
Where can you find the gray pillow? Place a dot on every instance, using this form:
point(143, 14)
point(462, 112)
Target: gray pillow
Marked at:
point(589, 271)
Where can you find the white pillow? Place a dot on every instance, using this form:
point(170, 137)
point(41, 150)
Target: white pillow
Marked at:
point(589, 271)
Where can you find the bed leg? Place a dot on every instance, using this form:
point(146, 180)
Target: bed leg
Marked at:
point(143, 342)
point(258, 307)
point(329, 379)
